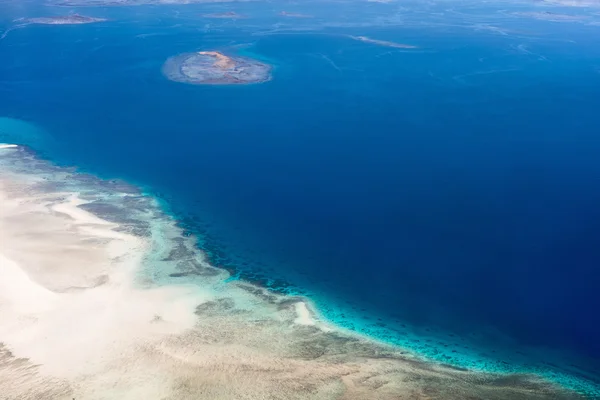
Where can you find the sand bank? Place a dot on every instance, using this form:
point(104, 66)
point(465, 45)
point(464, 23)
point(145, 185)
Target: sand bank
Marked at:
point(102, 296)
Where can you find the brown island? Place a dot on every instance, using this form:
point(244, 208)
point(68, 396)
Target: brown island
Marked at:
point(215, 68)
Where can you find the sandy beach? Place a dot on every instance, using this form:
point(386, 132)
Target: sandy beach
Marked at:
point(119, 304)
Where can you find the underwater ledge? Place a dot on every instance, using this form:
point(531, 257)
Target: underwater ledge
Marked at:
point(170, 323)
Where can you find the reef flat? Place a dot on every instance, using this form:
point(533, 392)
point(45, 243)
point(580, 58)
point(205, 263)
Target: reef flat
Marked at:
point(551, 16)
point(382, 42)
point(109, 3)
point(104, 296)
point(224, 15)
point(72, 19)
point(294, 15)
point(214, 68)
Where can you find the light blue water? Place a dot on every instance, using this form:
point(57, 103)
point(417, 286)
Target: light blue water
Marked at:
point(443, 198)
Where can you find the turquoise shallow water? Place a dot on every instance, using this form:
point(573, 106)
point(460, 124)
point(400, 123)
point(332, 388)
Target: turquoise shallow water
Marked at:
point(443, 198)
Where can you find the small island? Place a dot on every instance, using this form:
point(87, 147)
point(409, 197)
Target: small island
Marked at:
point(215, 68)
point(71, 19)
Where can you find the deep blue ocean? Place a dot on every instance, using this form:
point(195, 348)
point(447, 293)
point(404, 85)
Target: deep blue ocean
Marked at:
point(450, 192)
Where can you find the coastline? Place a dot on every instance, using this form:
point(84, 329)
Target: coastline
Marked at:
point(153, 317)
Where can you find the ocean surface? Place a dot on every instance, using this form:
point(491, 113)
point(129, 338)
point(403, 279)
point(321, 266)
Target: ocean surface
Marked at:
point(444, 198)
